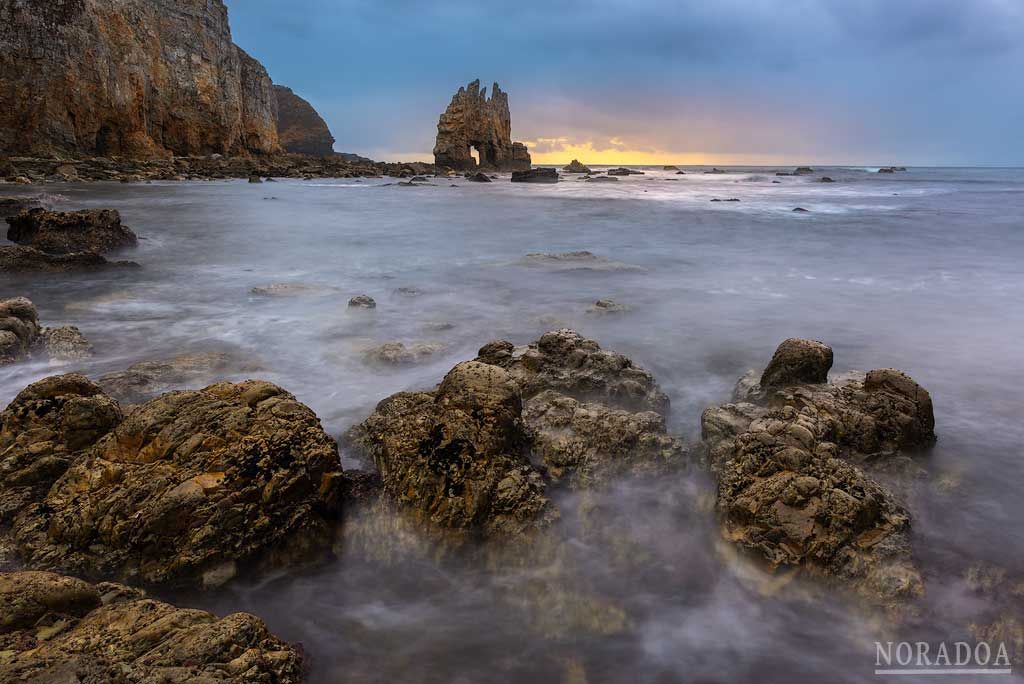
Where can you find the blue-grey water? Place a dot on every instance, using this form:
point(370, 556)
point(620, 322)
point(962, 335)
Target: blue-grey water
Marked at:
point(922, 271)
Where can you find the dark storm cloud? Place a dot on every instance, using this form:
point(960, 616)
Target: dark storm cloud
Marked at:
point(921, 81)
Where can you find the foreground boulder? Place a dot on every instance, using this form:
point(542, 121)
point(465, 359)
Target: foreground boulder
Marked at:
point(60, 232)
point(22, 259)
point(189, 489)
point(535, 176)
point(42, 429)
point(60, 629)
point(458, 456)
point(790, 461)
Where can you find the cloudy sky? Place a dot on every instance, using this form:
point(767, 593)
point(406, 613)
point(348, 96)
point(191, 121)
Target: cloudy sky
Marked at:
point(663, 81)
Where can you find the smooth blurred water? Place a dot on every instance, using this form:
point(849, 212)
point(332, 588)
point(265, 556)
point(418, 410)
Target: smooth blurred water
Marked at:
point(922, 271)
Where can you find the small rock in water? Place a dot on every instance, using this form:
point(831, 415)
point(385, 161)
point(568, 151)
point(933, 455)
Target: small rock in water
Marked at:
point(535, 176)
point(576, 261)
point(825, 179)
point(280, 290)
point(66, 343)
point(575, 166)
point(255, 179)
point(604, 306)
point(623, 171)
point(602, 179)
point(715, 171)
point(362, 302)
point(803, 171)
point(407, 292)
point(731, 199)
point(399, 353)
point(478, 177)
point(801, 210)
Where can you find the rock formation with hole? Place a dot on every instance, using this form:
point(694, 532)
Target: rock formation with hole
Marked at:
point(473, 120)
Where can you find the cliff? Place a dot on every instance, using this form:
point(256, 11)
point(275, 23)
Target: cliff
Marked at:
point(474, 120)
point(299, 127)
point(137, 78)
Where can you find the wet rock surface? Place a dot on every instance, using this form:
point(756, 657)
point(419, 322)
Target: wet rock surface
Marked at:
point(21, 259)
point(40, 432)
point(191, 489)
point(19, 329)
point(459, 455)
point(65, 344)
point(55, 628)
point(792, 470)
point(58, 232)
point(145, 380)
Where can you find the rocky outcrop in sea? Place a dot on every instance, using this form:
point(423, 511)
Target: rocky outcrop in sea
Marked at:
point(300, 128)
point(473, 120)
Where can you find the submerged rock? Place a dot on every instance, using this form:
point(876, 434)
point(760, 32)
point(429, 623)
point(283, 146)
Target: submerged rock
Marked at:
point(60, 629)
point(575, 167)
point(66, 343)
point(576, 261)
point(362, 302)
point(606, 306)
point(12, 206)
point(535, 176)
point(825, 179)
point(803, 171)
point(191, 489)
point(22, 259)
point(623, 171)
point(399, 353)
point(282, 290)
point(145, 380)
point(602, 179)
point(58, 232)
point(789, 466)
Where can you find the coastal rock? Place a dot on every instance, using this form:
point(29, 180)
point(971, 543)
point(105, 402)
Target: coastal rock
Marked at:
point(826, 179)
point(565, 361)
point(66, 343)
point(59, 232)
point(300, 128)
point(146, 380)
point(803, 171)
point(400, 354)
point(19, 329)
point(575, 166)
point(22, 259)
point(191, 489)
point(607, 306)
point(715, 171)
point(535, 176)
point(479, 177)
point(12, 206)
point(792, 477)
point(46, 424)
point(669, 167)
point(362, 302)
point(602, 179)
point(623, 171)
point(798, 361)
point(51, 626)
point(472, 120)
point(576, 261)
point(72, 75)
point(456, 456)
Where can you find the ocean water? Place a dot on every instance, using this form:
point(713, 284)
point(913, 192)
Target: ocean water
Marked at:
point(922, 271)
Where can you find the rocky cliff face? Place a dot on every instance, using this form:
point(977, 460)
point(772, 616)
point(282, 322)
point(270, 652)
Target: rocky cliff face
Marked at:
point(299, 127)
point(140, 78)
point(474, 120)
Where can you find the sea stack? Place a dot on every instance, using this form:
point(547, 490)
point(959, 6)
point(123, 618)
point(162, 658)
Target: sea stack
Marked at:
point(300, 128)
point(473, 120)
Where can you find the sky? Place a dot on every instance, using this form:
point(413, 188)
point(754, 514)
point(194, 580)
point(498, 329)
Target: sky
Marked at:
point(909, 82)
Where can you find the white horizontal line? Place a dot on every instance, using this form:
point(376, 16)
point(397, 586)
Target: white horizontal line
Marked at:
point(943, 671)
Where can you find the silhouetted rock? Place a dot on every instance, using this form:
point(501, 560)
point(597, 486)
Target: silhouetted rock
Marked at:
point(803, 171)
point(473, 120)
point(825, 179)
point(575, 167)
point(602, 179)
point(535, 176)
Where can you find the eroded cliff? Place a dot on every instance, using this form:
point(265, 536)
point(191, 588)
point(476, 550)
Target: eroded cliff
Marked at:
point(300, 128)
point(139, 78)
